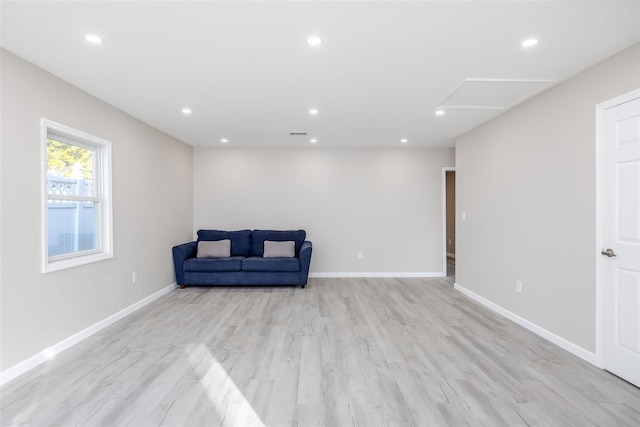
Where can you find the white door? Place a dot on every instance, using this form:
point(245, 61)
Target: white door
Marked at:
point(621, 239)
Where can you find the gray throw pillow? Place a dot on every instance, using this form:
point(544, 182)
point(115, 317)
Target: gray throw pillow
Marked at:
point(214, 248)
point(279, 249)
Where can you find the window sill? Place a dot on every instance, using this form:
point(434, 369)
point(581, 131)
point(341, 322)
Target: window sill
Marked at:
point(65, 263)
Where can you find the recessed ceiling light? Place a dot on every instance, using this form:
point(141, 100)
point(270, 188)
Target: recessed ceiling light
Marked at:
point(224, 140)
point(186, 111)
point(313, 141)
point(314, 41)
point(529, 42)
point(92, 38)
point(439, 112)
point(313, 111)
point(404, 140)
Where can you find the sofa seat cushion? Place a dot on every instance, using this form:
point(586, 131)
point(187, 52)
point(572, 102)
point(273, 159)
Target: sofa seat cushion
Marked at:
point(270, 264)
point(233, 263)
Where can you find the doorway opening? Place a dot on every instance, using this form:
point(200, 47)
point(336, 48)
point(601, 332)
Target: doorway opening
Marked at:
point(449, 221)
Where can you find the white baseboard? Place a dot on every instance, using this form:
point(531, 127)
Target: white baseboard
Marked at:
point(548, 335)
point(46, 354)
point(373, 274)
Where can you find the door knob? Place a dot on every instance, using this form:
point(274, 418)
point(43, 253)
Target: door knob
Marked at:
point(608, 252)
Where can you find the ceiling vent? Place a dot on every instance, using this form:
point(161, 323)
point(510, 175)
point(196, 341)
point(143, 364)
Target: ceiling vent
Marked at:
point(298, 133)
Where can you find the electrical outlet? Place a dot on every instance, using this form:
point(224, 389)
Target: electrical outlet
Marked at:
point(519, 286)
point(360, 255)
point(134, 278)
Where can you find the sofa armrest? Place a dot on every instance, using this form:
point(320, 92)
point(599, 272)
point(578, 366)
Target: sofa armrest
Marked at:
point(181, 253)
point(305, 260)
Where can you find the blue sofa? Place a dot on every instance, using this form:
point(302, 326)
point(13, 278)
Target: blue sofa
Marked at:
point(245, 263)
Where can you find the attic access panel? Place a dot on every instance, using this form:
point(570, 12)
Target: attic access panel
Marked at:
point(493, 94)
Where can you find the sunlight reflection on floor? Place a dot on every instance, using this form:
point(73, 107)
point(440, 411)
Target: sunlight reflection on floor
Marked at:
point(228, 401)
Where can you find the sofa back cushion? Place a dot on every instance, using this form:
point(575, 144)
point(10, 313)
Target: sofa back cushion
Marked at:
point(259, 236)
point(240, 240)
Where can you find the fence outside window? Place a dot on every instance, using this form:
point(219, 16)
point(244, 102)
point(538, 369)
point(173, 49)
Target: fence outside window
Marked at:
point(71, 223)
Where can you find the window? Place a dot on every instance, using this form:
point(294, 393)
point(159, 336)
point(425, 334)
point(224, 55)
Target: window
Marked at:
point(77, 197)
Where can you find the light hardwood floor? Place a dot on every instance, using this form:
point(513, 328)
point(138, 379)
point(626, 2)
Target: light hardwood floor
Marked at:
point(342, 352)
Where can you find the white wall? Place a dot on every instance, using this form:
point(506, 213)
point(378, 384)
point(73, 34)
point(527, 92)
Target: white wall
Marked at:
point(383, 202)
point(526, 181)
point(152, 211)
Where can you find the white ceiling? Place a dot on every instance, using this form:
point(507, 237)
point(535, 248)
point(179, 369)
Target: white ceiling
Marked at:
point(245, 70)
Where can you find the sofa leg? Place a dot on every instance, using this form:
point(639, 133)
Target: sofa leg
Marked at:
point(181, 286)
point(302, 286)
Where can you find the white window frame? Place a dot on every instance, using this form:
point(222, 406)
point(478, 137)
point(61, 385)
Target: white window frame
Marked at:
point(102, 199)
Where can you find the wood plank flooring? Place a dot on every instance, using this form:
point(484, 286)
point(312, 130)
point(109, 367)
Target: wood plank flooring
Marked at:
point(342, 352)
